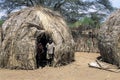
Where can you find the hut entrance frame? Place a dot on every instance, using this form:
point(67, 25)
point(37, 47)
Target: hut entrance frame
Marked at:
point(42, 40)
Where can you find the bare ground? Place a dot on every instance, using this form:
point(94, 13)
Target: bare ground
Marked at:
point(78, 70)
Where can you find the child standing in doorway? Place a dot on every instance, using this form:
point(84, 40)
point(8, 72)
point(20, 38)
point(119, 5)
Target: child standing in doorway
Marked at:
point(50, 51)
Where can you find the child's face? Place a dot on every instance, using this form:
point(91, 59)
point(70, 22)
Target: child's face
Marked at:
point(50, 41)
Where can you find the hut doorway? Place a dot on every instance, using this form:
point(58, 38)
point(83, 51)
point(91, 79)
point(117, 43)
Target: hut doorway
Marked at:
point(41, 42)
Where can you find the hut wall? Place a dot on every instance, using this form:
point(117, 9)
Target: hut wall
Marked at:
point(19, 52)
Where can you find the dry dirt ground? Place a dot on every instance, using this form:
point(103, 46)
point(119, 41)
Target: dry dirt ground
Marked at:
point(78, 70)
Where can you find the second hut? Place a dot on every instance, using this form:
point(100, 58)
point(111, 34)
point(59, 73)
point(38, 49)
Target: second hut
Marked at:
point(109, 39)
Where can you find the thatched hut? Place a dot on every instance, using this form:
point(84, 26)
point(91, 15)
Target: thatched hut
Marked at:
point(24, 29)
point(109, 39)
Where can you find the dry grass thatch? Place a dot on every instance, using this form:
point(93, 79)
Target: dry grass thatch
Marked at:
point(109, 39)
point(21, 30)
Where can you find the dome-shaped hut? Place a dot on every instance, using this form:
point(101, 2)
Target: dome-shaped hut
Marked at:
point(109, 39)
point(25, 29)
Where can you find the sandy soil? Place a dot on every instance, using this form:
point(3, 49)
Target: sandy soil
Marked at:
point(78, 70)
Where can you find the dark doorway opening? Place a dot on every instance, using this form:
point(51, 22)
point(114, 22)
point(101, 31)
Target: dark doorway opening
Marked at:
point(41, 42)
